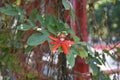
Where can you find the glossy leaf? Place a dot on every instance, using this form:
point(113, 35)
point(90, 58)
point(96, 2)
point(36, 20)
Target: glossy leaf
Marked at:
point(107, 52)
point(90, 50)
point(28, 49)
point(36, 39)
point(82, 52)
point(50, 20)
point(60, 26)
point(71, 59)
point(41, 20)
point(66, 4)
point(76, 39)
point(74, 50)
point(9, 10)
point(25, 27)
point(94, 68)
point(72, 13)
point(31, 23)
point(53, 30)
point(33, 14)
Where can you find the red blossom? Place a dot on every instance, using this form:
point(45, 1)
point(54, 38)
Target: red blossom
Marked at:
point(61, 42)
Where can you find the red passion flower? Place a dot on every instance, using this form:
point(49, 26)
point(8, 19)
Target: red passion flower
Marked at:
point(61, 42)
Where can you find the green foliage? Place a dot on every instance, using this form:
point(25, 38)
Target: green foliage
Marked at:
point(51, 23)
point(36, 39)
point(82, 52)
point(40, 20)
point(106, 16)
point(11, 11)
point(71, 59)
point(24, 27)
point(107, 52)
point(101, 76)
point(11, 38)
point(28, 49)
point(95, 69)
point(68, 6)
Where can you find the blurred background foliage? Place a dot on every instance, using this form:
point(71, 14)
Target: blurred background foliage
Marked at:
point(103, 23)
point(104, 20)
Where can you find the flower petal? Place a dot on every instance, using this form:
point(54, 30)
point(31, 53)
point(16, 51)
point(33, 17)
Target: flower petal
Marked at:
point(64, 48)
point(70, 42)
point(55, 47)
point(53, 38)
point(54, 43)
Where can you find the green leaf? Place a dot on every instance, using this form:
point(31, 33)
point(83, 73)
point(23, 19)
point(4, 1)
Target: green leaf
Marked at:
point(61, 26)
point(28, 49)
point(76, 39)
point(71, 59)
point(103, 76)
point(50, 20)
point(72, 13)
point(94, 68)
point(93, 62)
point(66, 4)
point(2, 9)
point(25, 27)
point(67, 28)
point(31, 23)
point(9, 10)
point(82, 52)
point(41, 20)
point(53, 30)
point(45, 32)
point(74, 50)
point(82, 43)
point(96, 60)
point(90, 49)
point(21, 14)
point(33, 14)
point(36, 39)
point(107, 52)
point(20, 11)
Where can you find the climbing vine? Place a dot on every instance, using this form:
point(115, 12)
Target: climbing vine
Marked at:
point(16, 20)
